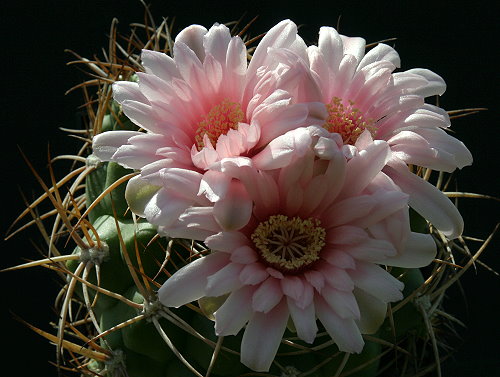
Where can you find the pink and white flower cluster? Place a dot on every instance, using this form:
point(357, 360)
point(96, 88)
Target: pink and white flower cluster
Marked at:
point(293, 170)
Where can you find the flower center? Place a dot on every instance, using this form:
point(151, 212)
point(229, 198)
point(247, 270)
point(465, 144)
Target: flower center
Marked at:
point(219, 120)
point(289, 244)
point(346, 120)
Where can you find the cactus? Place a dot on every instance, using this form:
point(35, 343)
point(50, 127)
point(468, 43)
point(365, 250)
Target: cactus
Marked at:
point(110, 321)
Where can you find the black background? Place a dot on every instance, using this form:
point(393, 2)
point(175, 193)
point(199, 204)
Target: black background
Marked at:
point(457, 40)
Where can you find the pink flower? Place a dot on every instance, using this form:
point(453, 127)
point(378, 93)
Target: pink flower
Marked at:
point(361, 92)
point(301, 241)
point(203, 105)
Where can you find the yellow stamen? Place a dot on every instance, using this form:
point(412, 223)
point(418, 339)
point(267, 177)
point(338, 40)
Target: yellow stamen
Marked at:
point(219, 120)
point(347, 120)
point(289, 244)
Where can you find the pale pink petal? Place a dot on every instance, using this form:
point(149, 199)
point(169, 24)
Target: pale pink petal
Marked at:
point(213, 73)
point(394, 229)
point(346, 235)
point(235, 312)
point(141, 114)
point(354, 46)
point(377, 282)
point(233, 211)
point(331, 46)
point(419, 252)
point(283, 150)
point(346, 71)
point(188, 284)
point(380, 52)
point(195, 223)
point(127, 90)
point(267, 296)
point(182, 181)
point(338, 258)
point(214, 185)
point(292, 287)
point(244, 255)
point(163, 208)
point(205, 158)
point(372, 312)
point(343, 303)
point(236, 64)
point(386, 204)
point(224, 280)
point(138, 194)
point(344, 331)
point(336, 277)
point(435, 83)
point(216, 41)
point(106, 144)
point(263, 191)
point(427, 200)
point(316, 279)
point(362, 168)
point(370, 250)
point(348, 210)
point(263, 336)
point(159, 64)
point(280, 117)
point(275, 273)
point(253, 274)
point(448, 147)
point(192, 36)
point(226, 241)
point(304, 320)
point(154, 88)
point(282, 35)
point(189, 65)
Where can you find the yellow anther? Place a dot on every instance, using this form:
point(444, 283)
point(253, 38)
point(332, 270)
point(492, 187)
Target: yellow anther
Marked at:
point(347, 120)
point(289, 243)
point(219, 120)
